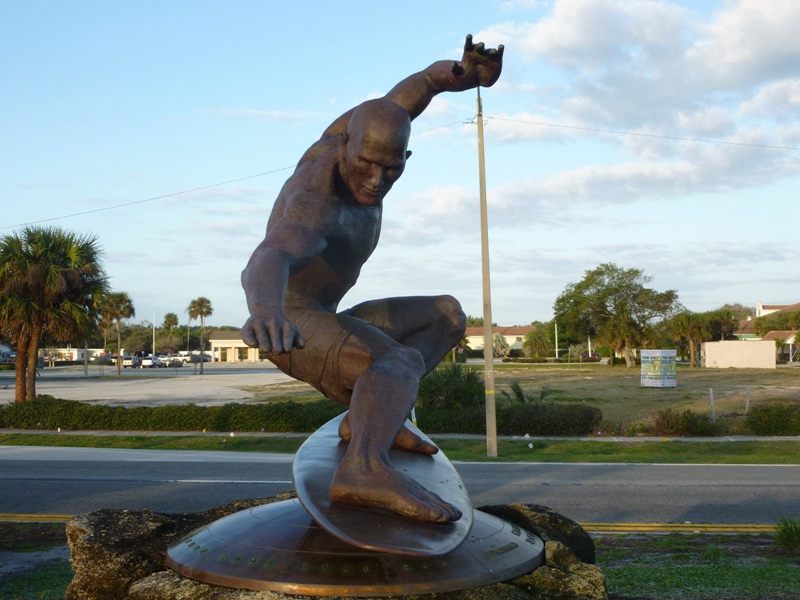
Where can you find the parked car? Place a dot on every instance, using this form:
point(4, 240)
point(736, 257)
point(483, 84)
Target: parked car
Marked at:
point(196, 358)
point(173, 360)
point(131, 361)
point(150, 362)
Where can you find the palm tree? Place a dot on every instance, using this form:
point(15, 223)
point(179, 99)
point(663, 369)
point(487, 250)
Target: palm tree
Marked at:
point(105, 323)
point(200, 308)
point(536, 342)
point(694, 327)
point(517, 395)
point(51, 281)
point(118, 306)
point(170, 321)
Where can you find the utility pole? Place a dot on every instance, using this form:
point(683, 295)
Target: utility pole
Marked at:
point(488, 346)
point(154, 332)
point(556, 324)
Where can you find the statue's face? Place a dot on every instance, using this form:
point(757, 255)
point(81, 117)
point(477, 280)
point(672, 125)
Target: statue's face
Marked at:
point(374, 163)
point(375, 157)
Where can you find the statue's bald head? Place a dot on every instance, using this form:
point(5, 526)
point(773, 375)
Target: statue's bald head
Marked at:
point(375, 149)
point(380, 119)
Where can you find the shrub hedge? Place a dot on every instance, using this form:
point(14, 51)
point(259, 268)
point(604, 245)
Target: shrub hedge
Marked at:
point(774, 419)
point(531, 359)
point(683, 423)
point(47, 412)
point(452, 386)
point(540, 418)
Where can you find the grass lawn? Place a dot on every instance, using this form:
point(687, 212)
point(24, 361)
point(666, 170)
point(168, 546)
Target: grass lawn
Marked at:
point(698, 567)
point(462, 449)
point(618, 393)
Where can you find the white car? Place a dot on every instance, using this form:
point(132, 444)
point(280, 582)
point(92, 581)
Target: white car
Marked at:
point(130, 361)
point(150, 362)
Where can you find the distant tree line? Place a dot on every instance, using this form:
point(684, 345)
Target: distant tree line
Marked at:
point(54, 290)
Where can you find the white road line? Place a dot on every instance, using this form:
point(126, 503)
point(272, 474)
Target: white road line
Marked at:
point(226, 481)
point(183, 460)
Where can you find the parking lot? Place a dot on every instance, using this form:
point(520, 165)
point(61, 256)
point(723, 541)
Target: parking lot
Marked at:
point(220, 383)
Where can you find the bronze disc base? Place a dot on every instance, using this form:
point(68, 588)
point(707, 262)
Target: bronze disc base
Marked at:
point(278, 547)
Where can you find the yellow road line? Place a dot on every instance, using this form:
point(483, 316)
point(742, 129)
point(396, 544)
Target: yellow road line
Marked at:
point(20, 518)
point(677, 528)
point(594, 527)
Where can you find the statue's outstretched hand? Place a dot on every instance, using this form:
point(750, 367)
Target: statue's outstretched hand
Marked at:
point(272, 332)
point(479, 65)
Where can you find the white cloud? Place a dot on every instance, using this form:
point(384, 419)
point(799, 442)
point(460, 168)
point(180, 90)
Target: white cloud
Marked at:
point(431, 215)
point(777, 99)
point(748, 42)
point(591, 34)
point(714, 169)
point(709, 120)
point(523, 126)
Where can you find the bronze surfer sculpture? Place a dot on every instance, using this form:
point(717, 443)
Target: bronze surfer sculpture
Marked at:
point(323, 227)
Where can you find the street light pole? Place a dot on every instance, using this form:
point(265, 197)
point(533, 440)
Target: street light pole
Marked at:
point(488, 346)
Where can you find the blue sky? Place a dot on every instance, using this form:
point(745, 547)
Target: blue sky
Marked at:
point(107, 104)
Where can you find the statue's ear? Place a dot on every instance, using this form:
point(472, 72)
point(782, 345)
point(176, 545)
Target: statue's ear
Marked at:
point(408, 154)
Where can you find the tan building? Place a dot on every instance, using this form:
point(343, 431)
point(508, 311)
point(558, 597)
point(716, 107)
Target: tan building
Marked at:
point(788, 340)
point(228, 346)
point(756, 354)
point(762, 310)
point(514, 336)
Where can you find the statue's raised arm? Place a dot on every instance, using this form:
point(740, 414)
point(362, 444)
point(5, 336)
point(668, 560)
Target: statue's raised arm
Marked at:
point(479, 66)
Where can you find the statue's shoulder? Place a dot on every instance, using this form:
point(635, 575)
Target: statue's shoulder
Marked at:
point(326, 146)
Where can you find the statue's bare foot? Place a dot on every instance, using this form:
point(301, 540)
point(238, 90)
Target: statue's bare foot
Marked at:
point(406, 439)
point(374, 483)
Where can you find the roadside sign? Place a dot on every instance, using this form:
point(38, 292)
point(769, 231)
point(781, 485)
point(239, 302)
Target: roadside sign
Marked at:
point(658, 368)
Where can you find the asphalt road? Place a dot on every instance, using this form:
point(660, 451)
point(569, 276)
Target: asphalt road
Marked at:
point(74, 480)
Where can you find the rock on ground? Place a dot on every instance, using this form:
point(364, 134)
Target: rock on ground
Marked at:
point(121, 555)
point(548, 525)
point(563, 577)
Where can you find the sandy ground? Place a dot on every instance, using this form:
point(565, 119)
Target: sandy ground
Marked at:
point(220, 383)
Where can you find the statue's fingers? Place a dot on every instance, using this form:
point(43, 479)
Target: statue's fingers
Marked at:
point(479, 47)
point(457, 69)
point(495, 53)
point(262, 337)
point(299, 341)
point(276, 338)
point(468, 45)
point(249, 337)
point(288, 338)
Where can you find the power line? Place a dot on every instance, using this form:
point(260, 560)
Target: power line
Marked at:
point(197, 189)
point(126, 204)
point(652, 135)
point(460, 122)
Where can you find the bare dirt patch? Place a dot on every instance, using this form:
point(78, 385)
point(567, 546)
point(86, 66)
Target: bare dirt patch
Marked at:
point(26, 547)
